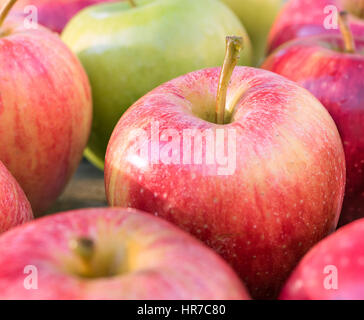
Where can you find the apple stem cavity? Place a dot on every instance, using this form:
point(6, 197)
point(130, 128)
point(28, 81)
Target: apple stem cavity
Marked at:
point(4, 11)
point(84, 248)
point(349, 43)
point(233, 47)
point(132, 3)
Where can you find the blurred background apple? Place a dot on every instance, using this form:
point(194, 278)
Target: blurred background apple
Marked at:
point(112, 254)
point(53, 14)
point(257, 17)
point(332, 270)
point(301, 18)
point(45, 111)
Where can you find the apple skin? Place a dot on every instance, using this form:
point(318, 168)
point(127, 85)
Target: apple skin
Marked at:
point(301, 18)
point(285, 194)
point(53, 14)
point(45, 111)
point(160, 262)
point(336, 79)
point(128, 52)
point(257, 17)
point(14, 206)
point(343, 250)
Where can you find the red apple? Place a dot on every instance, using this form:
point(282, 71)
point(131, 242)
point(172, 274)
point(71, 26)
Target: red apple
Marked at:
point(14, 206)
point(110, 254)
point(301, 18)
point(283, 183)
point(45, 111)
point(53, 14)
point(335, 77)
point(332, 270)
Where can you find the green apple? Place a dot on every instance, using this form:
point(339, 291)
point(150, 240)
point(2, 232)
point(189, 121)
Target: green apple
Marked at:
point(257, 17)
point(129, 50)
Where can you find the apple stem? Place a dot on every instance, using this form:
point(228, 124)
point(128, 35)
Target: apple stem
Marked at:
point(84, 248)
point(349, 42)
point(4, 11)
point(233, 47)
point(132, 3)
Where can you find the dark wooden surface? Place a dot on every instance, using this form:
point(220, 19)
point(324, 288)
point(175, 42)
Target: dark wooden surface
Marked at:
point(85, 190)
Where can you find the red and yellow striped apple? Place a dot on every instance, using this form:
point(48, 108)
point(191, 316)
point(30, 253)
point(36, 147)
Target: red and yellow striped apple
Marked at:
point(284, 181)
point(14, 206)
point(333, 71)
point(111, 254)
point(45, 110)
